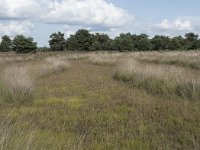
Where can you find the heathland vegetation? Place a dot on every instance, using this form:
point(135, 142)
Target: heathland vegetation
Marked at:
point(93, 92)
point(100, 100)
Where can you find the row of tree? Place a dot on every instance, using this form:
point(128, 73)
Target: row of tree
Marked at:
point(83, 40)
point(19, 44)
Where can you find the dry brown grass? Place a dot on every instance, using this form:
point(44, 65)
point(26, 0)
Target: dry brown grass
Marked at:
point(105, 58)
point(161, 79)
point(189, 59)
point(84, 108)
point(18, 85)
point(17, 80)
point(50, 65)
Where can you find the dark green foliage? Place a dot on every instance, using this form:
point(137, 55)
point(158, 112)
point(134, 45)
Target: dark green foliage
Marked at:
point(72, 43)
point(142, 43)
point(124, 42)
point(57, 42)
point(160, 42)
point(191, 36)
point(81, 41)
point(101, 42)
point(192, 41)
point(176, 43)
point(6, 44)
point(22, 44)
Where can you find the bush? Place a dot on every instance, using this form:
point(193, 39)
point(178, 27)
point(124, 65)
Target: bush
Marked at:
point(22, 44)
point(6, 44)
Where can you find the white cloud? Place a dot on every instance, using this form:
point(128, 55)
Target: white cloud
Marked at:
point(177, 24)
point(20, 9)
point(15, 27)
point(69, 31)
point(87, 13)
point(183, 24)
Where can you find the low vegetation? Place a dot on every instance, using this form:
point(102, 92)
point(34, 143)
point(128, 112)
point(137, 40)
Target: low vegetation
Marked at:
point(182, 59)
point(17, 85)
point(161, 79)
point(17, 80)
point(104, 58)
point(63, 100)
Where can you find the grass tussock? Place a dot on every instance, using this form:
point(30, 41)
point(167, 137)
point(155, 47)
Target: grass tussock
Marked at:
point(17, 80)
point(50, 65)
point(183, 59)
point(161, 79)
point(17, 85)
point(104, 58)
point(78, 56)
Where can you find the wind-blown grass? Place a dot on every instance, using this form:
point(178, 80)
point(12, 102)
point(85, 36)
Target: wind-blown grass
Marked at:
point(50, 65)
point(84, 108)
point(17, 81)
point(183, 59)
point(190, 62)
point(17, 85)
point(15, 134)
point(104, 58)
point(161, 79)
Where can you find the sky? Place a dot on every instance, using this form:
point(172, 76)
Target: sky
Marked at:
point(40, 18)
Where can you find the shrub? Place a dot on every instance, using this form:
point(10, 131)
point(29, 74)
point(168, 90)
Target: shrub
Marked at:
point(22, 44)
point(6, 44)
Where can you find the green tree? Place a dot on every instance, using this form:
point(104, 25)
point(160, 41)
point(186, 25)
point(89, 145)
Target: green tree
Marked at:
point(191, 41)
point(160, 42)
point(124, 42)
point(6, 44)
point(176, 43)
point(191, 36)
point(141, 42)
point(101, 42)
point(57, 42)
point(22, 44)
point(72, 43)
point(81, 41)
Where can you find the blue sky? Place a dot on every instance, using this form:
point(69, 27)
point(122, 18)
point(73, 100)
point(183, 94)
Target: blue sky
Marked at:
point(39, 19)
point(159, 9)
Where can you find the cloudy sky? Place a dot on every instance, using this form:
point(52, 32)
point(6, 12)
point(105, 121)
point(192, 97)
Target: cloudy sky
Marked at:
point(40, 18)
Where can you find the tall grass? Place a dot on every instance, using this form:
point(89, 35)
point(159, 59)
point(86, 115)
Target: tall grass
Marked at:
point(17, 80)
point(50, 65)
point(17, 136)
point(179, 58)
point(160, 79)
point(17, 84)
point(12, 139)
point(183, 61)
point(104, 58)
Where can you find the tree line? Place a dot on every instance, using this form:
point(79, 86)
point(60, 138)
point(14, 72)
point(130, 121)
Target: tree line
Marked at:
point(83, 40)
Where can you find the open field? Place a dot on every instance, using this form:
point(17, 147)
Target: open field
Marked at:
point(86, 101)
